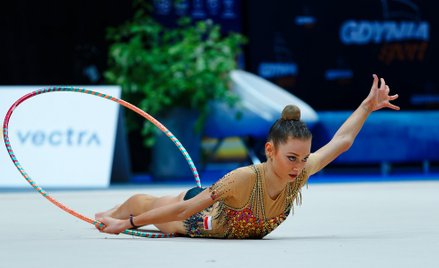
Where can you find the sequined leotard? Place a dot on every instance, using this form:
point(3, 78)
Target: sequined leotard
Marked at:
point(243, 208)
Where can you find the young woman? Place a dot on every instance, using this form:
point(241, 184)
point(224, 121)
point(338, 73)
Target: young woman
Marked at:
point(251, 201)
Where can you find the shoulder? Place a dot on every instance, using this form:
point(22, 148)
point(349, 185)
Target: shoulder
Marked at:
point(246, 172)
point(240, 175)
point(233, 182)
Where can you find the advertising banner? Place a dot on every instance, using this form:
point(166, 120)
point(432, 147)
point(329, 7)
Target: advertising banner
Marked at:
point(61, 139)
point(326, 55)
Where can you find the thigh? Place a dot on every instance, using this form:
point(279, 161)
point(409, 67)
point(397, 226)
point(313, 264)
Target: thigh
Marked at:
point(167, 200)
point(169, 227)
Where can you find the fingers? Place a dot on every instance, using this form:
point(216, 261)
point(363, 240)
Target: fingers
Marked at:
point(383, 84)
point(391, 106)
point(375, 81)
point(381, 92)
point(394, 97)
point(100, 225)
point(386, 88)
point(106, 225)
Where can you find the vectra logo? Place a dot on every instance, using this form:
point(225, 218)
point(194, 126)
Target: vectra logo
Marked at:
point(364, 32)
point(68, 137)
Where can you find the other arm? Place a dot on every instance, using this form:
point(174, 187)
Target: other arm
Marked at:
point(343, 139)
point(174, 212)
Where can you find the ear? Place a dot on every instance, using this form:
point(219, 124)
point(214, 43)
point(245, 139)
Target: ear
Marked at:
point(269, 149)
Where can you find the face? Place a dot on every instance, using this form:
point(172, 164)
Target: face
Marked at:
point(289, 159)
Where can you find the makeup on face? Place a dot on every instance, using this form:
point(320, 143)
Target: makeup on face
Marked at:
point(291, 157)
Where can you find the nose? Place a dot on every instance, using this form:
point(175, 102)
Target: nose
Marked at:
point(298, 166)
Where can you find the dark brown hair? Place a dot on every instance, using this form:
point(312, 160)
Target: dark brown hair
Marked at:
point(289, 125)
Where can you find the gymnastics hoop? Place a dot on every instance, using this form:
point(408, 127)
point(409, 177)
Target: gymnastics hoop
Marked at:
point(128, 105)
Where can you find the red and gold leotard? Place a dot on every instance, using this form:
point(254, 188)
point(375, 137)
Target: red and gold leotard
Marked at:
point(243, 209)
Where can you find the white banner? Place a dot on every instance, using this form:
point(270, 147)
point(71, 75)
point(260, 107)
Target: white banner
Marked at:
point(61, 139)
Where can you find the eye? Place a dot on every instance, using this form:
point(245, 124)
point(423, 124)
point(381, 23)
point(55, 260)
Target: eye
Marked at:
point(305, 159)
point(292, 158)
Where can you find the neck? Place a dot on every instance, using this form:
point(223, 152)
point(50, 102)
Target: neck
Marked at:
point(274, 183)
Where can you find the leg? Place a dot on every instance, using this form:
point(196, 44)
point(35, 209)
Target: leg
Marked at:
point(106, 213)
point(138, 204)
point(141, 203)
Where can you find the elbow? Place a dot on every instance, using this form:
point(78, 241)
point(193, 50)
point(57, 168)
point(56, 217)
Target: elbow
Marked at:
point(182, 214)
point(345, 144)
point(182, 217)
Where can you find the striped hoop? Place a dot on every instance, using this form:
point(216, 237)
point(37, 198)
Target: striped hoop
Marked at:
point(131, 107)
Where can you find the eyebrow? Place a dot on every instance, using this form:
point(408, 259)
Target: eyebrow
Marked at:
point(295, 154)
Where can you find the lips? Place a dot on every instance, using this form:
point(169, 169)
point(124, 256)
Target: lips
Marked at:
point(292, 176)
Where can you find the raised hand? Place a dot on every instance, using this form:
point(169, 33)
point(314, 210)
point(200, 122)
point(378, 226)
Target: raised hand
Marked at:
point(379, 97)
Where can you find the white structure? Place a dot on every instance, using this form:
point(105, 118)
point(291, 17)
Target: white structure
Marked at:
point(267, 99)
point(261, 105)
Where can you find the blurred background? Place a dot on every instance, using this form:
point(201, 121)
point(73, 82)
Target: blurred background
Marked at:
point(321, 52)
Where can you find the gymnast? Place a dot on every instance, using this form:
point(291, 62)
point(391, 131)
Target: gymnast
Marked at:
point(252, 201)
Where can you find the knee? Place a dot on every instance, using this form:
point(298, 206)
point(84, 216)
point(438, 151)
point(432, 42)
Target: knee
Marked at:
point(138, 201)
point(134, 198)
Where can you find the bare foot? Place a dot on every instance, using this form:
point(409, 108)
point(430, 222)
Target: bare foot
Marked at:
point(107, 213)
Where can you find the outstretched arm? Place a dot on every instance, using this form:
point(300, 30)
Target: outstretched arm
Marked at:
point(174, 212)
point(378, 98)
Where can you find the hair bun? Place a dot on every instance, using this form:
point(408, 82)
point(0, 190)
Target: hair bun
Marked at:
point(291, 112)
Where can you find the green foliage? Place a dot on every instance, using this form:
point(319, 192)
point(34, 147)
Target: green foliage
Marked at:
point(161, 68)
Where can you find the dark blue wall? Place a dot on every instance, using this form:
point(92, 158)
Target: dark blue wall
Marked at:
point(387, 136)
